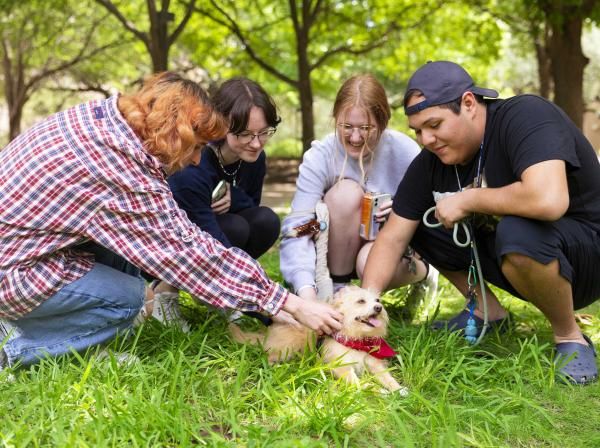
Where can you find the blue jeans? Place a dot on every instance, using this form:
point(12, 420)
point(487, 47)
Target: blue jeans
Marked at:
point(87, 312)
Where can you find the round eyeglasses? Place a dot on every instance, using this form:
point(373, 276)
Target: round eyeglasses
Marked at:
point(364, 130)
point(247, 136)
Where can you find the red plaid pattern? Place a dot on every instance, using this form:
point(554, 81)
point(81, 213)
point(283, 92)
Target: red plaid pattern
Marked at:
point(82, 175)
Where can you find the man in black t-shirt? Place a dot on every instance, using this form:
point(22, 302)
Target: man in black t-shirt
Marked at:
point(536, 217)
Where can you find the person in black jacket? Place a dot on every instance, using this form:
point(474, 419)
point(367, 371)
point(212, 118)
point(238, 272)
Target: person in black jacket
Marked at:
point(237, 164)
point(222, 193)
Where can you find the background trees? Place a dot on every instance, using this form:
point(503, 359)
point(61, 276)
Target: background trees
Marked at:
point(163, 25)
point(41, 42)
point(311, 36)
point(299, 49)
point(553, 30)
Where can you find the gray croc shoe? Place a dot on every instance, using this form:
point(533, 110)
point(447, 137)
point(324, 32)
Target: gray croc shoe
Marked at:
point(582, 367)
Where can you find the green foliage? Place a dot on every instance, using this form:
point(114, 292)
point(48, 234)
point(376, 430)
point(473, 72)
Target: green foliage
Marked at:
point(52, 49)
point(465, 31)
point(288, 148)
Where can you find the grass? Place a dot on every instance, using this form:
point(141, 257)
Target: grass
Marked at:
point(201, 389)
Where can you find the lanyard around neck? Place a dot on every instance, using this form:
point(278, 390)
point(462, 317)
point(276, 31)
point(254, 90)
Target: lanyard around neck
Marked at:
point(478, 180)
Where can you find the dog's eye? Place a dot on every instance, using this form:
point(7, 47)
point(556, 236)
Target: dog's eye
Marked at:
point(377, 300)
point(362, 301)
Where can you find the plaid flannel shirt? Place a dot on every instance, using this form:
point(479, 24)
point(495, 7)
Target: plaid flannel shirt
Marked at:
point(82, 175)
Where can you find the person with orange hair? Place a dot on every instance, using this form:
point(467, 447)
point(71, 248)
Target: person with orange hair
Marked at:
point(86, 206)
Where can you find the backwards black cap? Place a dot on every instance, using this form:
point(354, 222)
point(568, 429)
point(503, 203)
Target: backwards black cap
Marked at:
point(441, 82)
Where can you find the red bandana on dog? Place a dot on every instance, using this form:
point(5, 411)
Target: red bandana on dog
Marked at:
point(376, 347)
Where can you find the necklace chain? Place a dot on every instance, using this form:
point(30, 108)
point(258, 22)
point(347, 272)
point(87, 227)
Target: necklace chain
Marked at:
point(232, 174)
point(478, 177)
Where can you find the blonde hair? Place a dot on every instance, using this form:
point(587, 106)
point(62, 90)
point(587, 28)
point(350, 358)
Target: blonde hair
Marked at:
point(172, 116)
point(364, 92)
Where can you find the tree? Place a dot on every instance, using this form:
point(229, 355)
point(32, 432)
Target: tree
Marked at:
point(40, 41)
point(554, 29)
point(314, 34)
point(529, 30)
point(565, 21)
point(157, 39)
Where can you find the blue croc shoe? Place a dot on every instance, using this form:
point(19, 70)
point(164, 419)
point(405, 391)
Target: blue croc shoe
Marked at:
point(582, 367)
point(459, 322)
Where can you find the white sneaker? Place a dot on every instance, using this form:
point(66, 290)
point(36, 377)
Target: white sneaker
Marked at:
point(431, 283)
point(234, 316)
point(166, 310)
point(123, 359)
point(6, 330)
point(421, 295)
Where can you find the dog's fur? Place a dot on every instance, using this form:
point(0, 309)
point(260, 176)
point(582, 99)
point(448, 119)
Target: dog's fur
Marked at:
point(364, 317)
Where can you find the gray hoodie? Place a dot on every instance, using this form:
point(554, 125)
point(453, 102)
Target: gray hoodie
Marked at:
point(321, 166)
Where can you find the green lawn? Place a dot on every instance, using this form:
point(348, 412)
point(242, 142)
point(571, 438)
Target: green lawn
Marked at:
point(201, 389)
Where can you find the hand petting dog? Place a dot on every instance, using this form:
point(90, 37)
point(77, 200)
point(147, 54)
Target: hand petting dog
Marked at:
point(353, 346)
point(318, 316)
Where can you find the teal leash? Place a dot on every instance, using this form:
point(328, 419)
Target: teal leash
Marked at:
point(475, 276)
point(475, 273)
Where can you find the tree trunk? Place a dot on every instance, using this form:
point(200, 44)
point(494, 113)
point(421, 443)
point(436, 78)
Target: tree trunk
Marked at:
point(160, 58)
point(543, 62)
point(15, 114)
point(305, 90)
point(159, 39)
point(306, 109)
point(568, 64)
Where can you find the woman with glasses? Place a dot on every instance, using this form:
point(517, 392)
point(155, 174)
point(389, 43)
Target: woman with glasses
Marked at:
point(362, 156)
point(222, 193)
point(232, 213)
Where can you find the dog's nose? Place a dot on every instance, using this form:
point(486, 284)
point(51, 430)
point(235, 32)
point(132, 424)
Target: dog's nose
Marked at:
point(378, 308)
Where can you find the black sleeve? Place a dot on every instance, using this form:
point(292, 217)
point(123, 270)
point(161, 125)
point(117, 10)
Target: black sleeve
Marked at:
point(414, 194)
point(240, 199)
point(535, 130)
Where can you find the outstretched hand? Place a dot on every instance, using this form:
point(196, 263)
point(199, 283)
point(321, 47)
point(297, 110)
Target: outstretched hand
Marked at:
point(283, 317)
point(318, 316)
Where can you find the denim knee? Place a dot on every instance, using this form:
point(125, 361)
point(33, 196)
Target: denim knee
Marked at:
point(87, 312)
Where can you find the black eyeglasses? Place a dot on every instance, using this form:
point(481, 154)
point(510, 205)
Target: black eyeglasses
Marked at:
point(247, 136)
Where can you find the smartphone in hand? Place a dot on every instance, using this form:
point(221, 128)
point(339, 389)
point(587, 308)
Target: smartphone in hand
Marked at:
point(219, 190)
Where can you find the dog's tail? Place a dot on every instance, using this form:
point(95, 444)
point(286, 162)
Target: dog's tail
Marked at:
point(243, 337)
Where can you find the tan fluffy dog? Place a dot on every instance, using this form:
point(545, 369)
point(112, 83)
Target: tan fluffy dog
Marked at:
point(352, 350)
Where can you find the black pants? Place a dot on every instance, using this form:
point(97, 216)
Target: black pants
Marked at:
point(254, 230)
point(575, 244)
point(107, 257)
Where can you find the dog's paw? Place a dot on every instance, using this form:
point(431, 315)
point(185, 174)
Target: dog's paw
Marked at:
point(399, 390)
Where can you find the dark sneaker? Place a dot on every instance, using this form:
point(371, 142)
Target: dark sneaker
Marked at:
point(459, 322)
